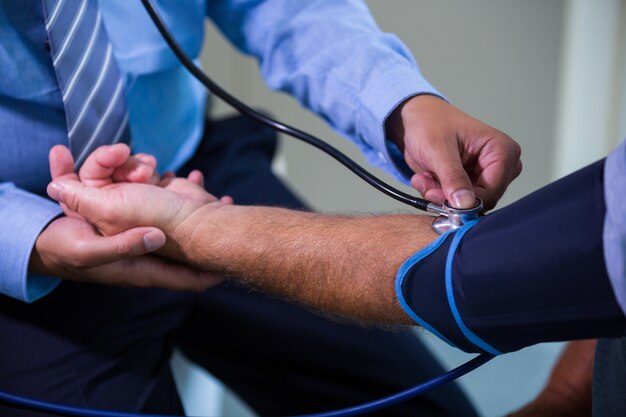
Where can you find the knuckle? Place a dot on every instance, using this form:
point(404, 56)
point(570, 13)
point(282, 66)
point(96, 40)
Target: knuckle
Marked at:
point(514, 147)
point(518, 168)
point(517, 150)
point(80, 258)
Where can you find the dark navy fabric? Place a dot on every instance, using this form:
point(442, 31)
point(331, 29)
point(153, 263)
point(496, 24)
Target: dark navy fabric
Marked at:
point(424, 291)
point(108, 347)
point(609, 377)
point(531, 272)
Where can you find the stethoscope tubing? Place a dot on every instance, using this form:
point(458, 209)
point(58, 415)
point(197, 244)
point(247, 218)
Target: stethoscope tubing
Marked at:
point(247, 111)
point(419, 203)
point(67, 410)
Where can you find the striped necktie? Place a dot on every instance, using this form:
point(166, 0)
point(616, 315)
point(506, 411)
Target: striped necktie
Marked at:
point(88, 77)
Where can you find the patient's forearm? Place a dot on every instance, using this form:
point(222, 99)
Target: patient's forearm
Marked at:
point(341, 265)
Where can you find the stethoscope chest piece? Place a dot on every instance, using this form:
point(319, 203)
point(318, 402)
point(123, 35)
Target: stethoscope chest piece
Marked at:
point(453, 218)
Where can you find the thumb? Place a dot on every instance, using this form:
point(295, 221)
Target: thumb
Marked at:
point(61, 163)
point(76, 196)
point(128, 244)
point(455, 183)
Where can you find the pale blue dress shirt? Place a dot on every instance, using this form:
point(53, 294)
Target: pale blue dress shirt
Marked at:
point(615, 221)
point(329, 54)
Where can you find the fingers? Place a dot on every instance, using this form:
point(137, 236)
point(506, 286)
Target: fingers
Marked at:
point(498, 165)
point(105, 165)
point(75, 196)
point(455, 182)
point(454, 155)
point(99, 250)
point(196, 177)
point(71, 249)
point(150, 271)
point(139, 168)
point(99, 167)
point(227, 200)
point(492, 174)
point(113, 163)
point(62, 167)
point(147, 159)
point(61, 163)
point(424, 182)
point(428, 187)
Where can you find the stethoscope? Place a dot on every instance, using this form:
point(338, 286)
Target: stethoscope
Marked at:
point(449, 219)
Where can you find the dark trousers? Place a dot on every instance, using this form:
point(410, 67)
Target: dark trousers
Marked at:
point(609, 376)
point(106, 347)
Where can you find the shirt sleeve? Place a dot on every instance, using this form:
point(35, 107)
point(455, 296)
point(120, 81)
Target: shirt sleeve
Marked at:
point(614, 235)
point(23, 216)
point(334, 59)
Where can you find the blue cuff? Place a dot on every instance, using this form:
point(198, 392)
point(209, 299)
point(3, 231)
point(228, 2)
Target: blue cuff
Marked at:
point(401, 275)
point(471, 336)
point(23, 216)
point(414, 260)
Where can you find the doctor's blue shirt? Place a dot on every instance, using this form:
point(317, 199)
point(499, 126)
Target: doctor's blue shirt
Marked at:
point(329, 54)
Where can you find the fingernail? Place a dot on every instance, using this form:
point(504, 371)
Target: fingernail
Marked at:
point(153, 240)
point(54, 191)
point(463, 199)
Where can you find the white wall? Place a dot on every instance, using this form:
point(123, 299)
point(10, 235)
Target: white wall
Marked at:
point(590, 119)
point(501, 61)
point(497, 60)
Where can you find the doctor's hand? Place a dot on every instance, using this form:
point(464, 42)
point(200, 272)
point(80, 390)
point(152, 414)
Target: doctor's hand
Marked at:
point(71, 248)
point(453, 155)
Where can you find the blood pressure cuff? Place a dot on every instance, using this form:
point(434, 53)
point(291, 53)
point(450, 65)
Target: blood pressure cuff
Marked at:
point(531, 272)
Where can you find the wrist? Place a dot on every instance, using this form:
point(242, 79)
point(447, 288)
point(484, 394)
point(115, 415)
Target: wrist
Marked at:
point(193, 237)
point(42, 259)
point(404, 114)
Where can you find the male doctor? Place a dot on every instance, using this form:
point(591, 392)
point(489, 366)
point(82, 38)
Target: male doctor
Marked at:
point(87, 73)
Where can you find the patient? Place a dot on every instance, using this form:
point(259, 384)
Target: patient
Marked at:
point(332, 257)
point(510, 283)
point(532, 272)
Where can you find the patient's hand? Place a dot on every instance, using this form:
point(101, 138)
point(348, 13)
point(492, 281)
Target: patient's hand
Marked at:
point(70, 248)
point(340, 267)
point(113, 207)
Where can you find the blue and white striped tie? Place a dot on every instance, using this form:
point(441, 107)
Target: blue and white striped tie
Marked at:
point(90, 82)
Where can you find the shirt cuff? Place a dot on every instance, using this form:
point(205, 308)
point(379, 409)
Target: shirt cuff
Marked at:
point(23, 216)
point(380, 97)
